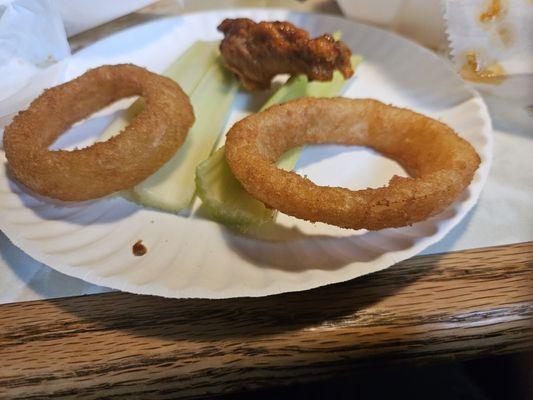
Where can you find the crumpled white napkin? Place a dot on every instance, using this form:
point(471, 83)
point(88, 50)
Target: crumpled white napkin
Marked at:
point(491, 44)
point(33, 50)
point(483, 36)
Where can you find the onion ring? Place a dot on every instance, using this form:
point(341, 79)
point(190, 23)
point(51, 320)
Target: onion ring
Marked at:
point(441, 164)
point(105, 167)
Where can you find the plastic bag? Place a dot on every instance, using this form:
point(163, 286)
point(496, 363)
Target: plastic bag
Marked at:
point(33, 50)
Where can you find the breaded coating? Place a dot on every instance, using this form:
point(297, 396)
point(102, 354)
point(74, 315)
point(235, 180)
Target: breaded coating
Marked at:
point(105, 167)
point(441, 164)
point(256, 52)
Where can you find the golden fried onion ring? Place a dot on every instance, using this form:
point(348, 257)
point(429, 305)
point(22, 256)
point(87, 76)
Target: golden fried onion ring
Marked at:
point(440, 163)
point(105, 167)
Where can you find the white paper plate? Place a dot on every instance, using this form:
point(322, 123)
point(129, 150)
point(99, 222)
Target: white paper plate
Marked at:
point(194, 257)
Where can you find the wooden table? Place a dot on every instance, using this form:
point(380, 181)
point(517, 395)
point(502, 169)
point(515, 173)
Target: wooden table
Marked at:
point(439, 307)
point(451, 306)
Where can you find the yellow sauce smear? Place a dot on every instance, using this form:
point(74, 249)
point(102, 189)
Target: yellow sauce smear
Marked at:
point(493, 11)
point(471, 70)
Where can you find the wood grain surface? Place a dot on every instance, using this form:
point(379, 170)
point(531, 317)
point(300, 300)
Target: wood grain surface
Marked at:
point(438, 307)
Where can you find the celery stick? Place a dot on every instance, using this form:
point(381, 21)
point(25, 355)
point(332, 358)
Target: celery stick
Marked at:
point(222, 195)
point(172, 187)
point(187, 71)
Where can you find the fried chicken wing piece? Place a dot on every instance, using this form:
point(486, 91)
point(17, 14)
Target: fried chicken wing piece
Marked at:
point(256, 52)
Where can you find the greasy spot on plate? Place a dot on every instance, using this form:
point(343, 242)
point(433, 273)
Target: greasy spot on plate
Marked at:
point(504, 36)
point(494, 9)
point(478, 71)
point(139, 249)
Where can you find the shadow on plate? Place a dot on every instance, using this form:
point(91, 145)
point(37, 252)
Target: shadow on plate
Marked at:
point(292, 249)
point(447, 243)
point(210, 320)
point(297, 251)
point(39, 280)
point(105, 210)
